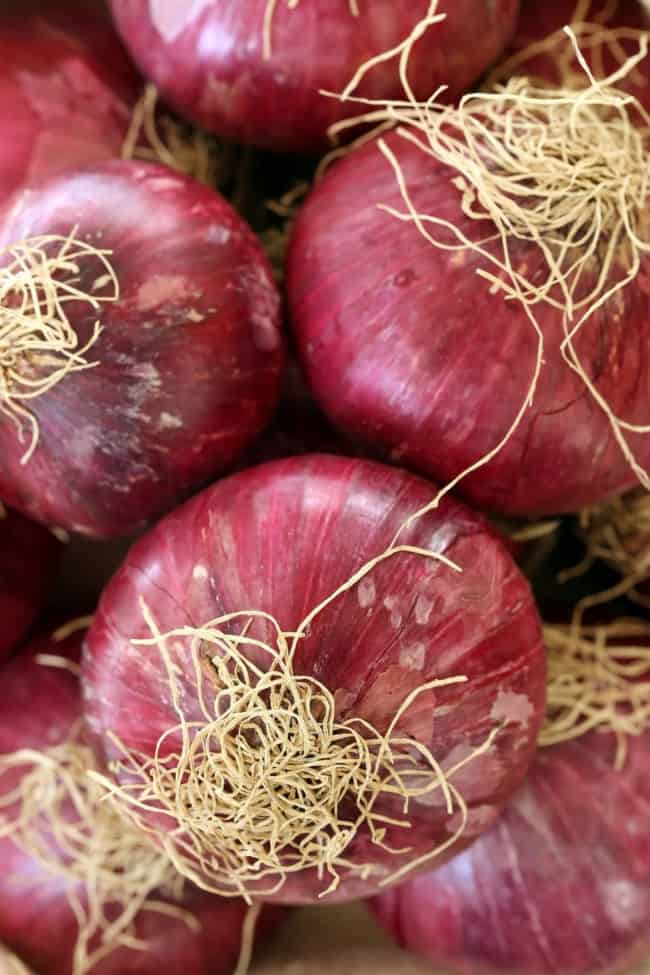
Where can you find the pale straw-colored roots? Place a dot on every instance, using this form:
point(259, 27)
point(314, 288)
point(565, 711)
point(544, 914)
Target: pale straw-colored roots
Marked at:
point(275, 239)
point(619, 533)
point(270, 781)
point(61, 818)
point(156, 137)
point(597, 39)
point(10, 965)
point(598, 679)
point(38, 345)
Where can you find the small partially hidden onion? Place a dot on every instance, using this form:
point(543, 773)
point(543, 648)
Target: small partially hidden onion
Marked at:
point(159, 370)
point(66, 90)
point(253, 70)
point(76, 885)
point(299, 646)
point(28, 557)
point(559, 886)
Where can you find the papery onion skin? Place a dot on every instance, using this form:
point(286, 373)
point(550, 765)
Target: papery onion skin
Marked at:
point(39, 706)
point(29, 555)
point(283, 536)
point(66, 90)
point(407, 349)
point(561, 884)
point(207, 58)
point(189, 361)
point(538, 21)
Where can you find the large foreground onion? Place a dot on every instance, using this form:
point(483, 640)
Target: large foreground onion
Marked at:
point(28, 556)
point(185, 372)
point(561, 884)
point(216, 63)
point(66, 89)
point(310, 782)
point(407, 348)
point(41, 711)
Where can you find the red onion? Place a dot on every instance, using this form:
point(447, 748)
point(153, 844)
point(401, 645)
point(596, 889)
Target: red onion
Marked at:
point(208, 58)
point(537, 22)
point(28, 556)
point(40, 708)
point(408, 349)
point(187, 365)
point(279, 539)
point(66, 90)
point(560, 885)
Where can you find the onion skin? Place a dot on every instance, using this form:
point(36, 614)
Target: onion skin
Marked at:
point(207, 59)
point(560, 886)
point(280, 538)
point(66, 90)
point(189, 360)
point(388, 327)
point(537, 21)
point(29, 555)
point(40, 705)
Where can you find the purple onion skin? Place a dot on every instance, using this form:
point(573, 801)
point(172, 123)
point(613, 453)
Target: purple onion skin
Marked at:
point(559, 886)
point(280, 538)
point(29, 555)
point(537, 21)
point(189, 361)
point(407, 349)
point(207, 59)
point(39, 706)
point(66, 90)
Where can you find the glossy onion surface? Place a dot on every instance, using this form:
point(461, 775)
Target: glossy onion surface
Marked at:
point(188, 363)
point(280, 538)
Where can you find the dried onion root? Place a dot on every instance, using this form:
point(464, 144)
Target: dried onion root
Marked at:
point(185, 149)
point(598, 678)
point(564, 169)
point(61, 818)
point(271, 783)
point(38, 345)
point(596, 39)
point(618, 533)
point(10, 965)
point(276, 239)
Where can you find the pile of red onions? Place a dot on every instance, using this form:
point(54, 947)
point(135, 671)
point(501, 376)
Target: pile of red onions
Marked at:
point(66, 90)
point(408, 349)
point(559, 886)
point(41, 707)
point(28, 557)
point(279, 539)
point(246, 75)
point(186, 371)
